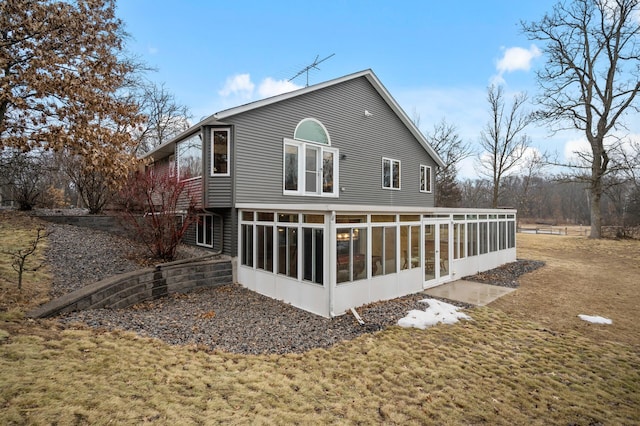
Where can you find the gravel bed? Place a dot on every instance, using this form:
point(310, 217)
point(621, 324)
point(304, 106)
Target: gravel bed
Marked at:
point(80, 256)
point(234, 319)
point(507, 275)
point(229, 318)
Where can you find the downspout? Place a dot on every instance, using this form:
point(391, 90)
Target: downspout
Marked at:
point(204, 137)
point(333, 275)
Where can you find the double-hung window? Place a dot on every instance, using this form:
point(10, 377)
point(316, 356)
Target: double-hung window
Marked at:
point(390, 173)
point(425, 179)
point(310, 164)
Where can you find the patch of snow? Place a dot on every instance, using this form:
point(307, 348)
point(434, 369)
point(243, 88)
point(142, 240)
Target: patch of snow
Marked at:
point(437, 312)
point(595, 319)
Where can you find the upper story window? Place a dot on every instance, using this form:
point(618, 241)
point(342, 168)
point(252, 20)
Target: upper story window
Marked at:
point(189, 157)
point(425, 179)
point(310, 166)
point(311, 130)
point(220, 152)
point(390, 173)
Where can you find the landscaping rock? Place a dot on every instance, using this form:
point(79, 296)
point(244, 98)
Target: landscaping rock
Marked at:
point(229, 318)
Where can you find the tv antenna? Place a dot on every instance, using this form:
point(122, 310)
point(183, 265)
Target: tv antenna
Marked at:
point(314, 65)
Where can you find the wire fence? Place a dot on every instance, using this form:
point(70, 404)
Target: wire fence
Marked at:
point(607, 231)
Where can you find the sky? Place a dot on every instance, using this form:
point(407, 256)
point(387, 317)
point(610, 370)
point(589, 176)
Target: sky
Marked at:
point(435, 58)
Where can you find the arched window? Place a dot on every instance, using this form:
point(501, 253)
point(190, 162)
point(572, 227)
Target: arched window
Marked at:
point(311, 130)
point(310, 164)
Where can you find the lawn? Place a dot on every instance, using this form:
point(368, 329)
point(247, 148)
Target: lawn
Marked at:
point(527, 358)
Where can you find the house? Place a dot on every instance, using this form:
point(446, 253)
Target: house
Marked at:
point(324, 198)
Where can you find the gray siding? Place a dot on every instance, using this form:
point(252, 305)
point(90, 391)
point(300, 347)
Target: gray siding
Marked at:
point(224, 232)
point(363, 140)
point(220, 228)
point(218, 189)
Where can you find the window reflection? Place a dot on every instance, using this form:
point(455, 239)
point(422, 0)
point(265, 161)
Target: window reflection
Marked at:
point(189, 152)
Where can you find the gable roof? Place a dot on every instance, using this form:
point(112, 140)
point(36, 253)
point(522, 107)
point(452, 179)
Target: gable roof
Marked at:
point(218, 117)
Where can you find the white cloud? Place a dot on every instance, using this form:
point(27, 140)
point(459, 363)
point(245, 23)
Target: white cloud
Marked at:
point(238, 85)
point(515, 59)
point(153, 50)
point(532, 156)
point(239, 88)
point(270, 87)
point(573, 149)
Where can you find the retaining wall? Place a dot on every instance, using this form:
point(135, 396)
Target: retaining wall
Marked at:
point(100, 222)
point(124, 290)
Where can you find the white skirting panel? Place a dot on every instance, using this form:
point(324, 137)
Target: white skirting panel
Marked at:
point(472, 265)
point(307, 296)
point(362, 292)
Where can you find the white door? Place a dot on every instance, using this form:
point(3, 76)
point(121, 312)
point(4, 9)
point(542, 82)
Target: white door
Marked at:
point(436, 253)
point(312, 170)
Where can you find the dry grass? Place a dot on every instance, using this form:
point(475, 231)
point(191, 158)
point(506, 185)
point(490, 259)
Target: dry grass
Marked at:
point(581, 276)
point(493, 370)
point(505, 367)
point(16, 232)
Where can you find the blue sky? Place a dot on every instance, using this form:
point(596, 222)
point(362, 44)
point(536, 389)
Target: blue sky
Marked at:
point(435, 58)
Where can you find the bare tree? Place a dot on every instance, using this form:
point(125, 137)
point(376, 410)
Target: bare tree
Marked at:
point(523, 190)
point(20, 256)
point(91, 184)
point(503, 139)
point(25, 174)
point(165, 117)
point(62, 64)
point(591, 77)
point(475, 193)
point(630, 159)
point(444, 139)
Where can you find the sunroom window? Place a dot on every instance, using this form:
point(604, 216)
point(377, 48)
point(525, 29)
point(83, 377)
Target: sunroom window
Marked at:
point(310, 165)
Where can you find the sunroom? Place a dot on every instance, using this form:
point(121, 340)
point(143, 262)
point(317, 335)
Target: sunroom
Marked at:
point(328, 261)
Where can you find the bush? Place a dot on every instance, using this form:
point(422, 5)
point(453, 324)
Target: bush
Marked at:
point(158, 210)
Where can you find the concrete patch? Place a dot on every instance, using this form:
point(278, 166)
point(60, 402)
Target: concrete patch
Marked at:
point(478, 294)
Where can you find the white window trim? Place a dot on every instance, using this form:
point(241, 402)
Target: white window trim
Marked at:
point(301, 169)
point(427, 169)
point(204, 244)
point(391, 160)
point(212, 173)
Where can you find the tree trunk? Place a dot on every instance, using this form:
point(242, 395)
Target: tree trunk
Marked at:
point(495, 194)
point(596, 216)
point(596, 194)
